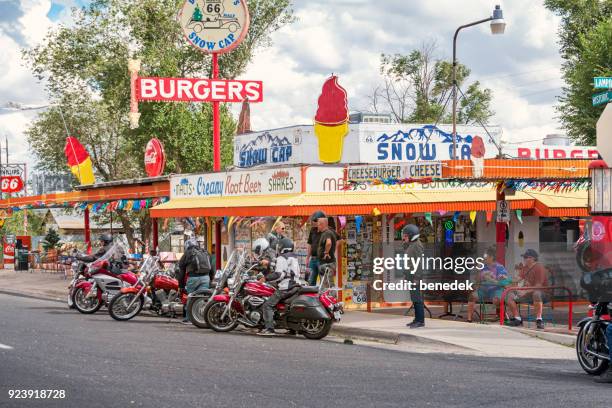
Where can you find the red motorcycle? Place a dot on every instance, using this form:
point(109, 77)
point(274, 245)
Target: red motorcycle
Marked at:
point(162, 287)
point(99, 281)
point(305, 309)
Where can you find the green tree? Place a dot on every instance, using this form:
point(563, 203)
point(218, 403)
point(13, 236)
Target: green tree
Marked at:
point(85, 69)
point(197, 14)
point(416, 87)
point(14, 225)
point(586, 47)
point(52, 240)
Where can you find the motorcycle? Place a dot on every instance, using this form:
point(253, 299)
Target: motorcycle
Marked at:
point(592, 347)
point(306, 309)
point(101, 280)
point(153, 280)
point(197, 301)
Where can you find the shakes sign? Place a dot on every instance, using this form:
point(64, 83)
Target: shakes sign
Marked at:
point(238, 183)
point(214, 26)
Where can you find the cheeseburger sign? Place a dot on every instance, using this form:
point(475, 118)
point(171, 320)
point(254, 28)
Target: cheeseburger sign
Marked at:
point(214, 26)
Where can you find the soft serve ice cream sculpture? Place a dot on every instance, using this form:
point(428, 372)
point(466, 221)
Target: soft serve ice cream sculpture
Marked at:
point(331, 121)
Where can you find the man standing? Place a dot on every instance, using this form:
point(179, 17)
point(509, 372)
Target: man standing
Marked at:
point(326, 251)
point(313, 245)
point(195, 266)
point(533, 274)
point(414, 249)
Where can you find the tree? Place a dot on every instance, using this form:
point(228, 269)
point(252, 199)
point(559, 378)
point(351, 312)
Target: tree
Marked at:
point(416, 87)
point(197, 14)
point(586, 46)
point(52, 240)
point(85, 69)
point(14, 224)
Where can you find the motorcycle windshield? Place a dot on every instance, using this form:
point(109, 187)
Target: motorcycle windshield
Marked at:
point(116, 252)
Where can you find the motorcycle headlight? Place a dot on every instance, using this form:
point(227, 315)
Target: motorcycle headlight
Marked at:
point(218, 273)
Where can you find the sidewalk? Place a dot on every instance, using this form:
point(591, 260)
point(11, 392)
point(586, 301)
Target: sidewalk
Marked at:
point(50, 286)
point(452, 336)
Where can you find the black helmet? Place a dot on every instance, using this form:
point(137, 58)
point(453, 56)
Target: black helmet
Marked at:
point(106, 238)
point(285, 245)
point(412, 231)
point(316, 215)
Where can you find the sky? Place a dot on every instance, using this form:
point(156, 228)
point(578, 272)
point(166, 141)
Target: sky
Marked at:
point(345, 37)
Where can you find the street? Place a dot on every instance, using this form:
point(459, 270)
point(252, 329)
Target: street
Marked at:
point(156, 362)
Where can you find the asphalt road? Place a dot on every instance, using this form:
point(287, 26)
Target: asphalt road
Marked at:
point(155, 362)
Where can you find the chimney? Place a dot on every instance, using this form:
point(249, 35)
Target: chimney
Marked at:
point(244, 120)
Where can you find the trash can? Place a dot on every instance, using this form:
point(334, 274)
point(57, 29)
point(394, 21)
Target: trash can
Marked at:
point(22, 259)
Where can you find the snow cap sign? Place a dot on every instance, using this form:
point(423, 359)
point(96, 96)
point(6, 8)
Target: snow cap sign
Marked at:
point(214, 26)
point(331, 121)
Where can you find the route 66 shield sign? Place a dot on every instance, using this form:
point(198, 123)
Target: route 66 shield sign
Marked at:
point(214, 26)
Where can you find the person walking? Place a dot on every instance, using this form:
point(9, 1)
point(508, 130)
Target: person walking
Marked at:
point(414, 249)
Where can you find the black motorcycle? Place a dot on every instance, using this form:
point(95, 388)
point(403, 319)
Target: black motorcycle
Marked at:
point(592, 345)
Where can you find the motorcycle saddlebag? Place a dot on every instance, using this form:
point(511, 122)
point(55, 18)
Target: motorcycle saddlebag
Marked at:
point(307, 307)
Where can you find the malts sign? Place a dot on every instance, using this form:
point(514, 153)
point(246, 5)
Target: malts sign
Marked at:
point(198, 90)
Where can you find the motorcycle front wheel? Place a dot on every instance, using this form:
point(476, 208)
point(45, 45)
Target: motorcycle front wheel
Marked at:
point(70, 301)
point(84, 303)
point(316, 329)
point(591, 364)
point(195, 312)
point(213, 312)
point(120, 309)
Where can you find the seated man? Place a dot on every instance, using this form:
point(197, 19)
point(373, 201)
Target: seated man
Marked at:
point(492, 280)
point(533, 274)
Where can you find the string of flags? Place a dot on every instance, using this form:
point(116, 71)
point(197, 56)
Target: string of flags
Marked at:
point(554, 185)
point(100, 207)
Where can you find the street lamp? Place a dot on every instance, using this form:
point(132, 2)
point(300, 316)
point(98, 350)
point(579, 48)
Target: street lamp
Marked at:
point(498, 26)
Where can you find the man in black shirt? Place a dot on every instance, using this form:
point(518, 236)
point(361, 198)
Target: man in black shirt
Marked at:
point(326, 251)
point(313, 245)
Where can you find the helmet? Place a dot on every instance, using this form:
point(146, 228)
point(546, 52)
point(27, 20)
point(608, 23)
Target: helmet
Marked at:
point(411, 231)
point(285, 245)
point(190, 243)
point(316, 215)
point(259, 246)
point(106, 238)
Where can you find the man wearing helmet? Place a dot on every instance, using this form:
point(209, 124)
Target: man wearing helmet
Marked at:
point(195, 266)
point(414, 249)
point(105, 241)
point(285, 277)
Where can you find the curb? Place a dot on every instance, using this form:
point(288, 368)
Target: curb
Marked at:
point(38, 296)
point(391, 337)
point(567, 340)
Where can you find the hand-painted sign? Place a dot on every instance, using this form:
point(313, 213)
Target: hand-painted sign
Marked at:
point(602, 82)
point(264, 149)
point(418, 170)
point(551, 152)
point(408, 143)
point(239, 183)
point(214, 26)
point(154, 158)
point(331, 121)
point(197, 90)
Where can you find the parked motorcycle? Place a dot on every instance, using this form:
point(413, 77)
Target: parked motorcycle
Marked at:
point(162, 287)
point(306, 309)
point(197, 301)
point(592, 346)
point(102, 280)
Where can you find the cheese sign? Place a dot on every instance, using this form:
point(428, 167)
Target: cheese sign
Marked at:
point(198, 90)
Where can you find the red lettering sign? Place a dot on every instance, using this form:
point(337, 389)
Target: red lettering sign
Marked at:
point(197, 90)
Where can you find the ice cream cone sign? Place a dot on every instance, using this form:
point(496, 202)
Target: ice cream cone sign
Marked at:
point(331, 121)
point(477, 155)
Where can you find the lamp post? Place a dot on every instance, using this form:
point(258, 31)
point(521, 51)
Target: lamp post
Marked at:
point(498, 26)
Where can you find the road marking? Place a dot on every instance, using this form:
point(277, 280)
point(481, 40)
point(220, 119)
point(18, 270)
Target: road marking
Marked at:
point(5, 347)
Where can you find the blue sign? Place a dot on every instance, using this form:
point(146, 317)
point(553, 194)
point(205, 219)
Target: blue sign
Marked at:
point(265, 149)
point(428, 143)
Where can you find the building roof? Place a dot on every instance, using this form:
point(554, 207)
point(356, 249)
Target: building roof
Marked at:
point(77, 222)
